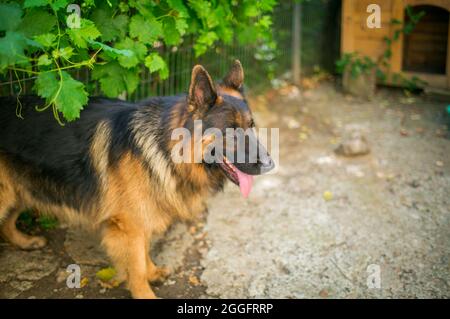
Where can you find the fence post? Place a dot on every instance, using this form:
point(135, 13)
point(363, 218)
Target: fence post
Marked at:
point(296, 42)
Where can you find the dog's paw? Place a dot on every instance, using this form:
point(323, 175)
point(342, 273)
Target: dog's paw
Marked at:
point(158, 274)
point(32, 242)
point(143, 294)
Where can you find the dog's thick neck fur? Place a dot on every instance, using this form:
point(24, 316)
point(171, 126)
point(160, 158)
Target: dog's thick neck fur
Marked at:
point(152, 127)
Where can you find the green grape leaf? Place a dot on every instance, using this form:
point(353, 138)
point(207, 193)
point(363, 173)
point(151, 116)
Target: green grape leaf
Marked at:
point(46, 40)
point(154, 62)
point(32, 43)
point(66, 93)
point(251, 9)
point(265, 21)
point(124, 8)
point(201, 7)
point(110, 27)
point(208, 38)
point(44, 60)
point(267, 5)
point(12, 47)
point(181, 26)
point(179, 6)
point(215, 18)
point(10, 16)
point(87, 31)
point(171, 34)
point(138, 52)
point(121, 24)
point(199, 49)
point(35, 3)
point(35, 22)
point(59, 4)
point(145, 29)
point(248, 34)
point(205, 41)
point(65, 53)
point(115, 79)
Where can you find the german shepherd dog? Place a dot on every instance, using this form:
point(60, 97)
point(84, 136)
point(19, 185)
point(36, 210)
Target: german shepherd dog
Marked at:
point(112, 172)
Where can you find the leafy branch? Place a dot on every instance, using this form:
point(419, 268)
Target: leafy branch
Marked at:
point(113, 40)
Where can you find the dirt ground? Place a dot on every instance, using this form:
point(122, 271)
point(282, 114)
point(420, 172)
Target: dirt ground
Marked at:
point(314, 229)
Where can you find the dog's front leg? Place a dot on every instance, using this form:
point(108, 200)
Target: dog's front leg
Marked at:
point(155, 273)
point(126, 245)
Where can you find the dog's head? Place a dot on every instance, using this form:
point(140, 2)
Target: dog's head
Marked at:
point(225, 114)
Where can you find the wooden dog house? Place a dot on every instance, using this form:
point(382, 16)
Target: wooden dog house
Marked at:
point(424, 53)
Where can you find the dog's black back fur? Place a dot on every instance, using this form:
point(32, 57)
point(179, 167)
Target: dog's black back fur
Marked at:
point(38, 146)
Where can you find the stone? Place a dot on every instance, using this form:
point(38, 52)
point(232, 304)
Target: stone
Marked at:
point(175, 244)
point(84, 248)
point(19, 269)
point(353, 144)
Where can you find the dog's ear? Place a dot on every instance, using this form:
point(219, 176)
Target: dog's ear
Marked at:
point(235, 77)
point(202, 92)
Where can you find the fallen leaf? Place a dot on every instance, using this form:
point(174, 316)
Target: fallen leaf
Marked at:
point(407, 100)
point(106, 274)
point(334, 141)
point(327, 195)
point(439, 163)
point(305, 129)
point(390, 177)
point(303, 136)
point(384, 103)
point(404, 132)
point(193, 280)
point(292, 123)
point(440, 133)
point(84, 282)
point(308, 83)
point(323, 293)
point(109, 285)
point(380, 175)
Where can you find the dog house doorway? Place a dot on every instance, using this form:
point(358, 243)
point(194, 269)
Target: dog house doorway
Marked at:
point(426, 49)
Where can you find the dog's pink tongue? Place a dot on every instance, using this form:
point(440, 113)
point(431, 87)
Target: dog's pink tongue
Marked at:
point(245, 183)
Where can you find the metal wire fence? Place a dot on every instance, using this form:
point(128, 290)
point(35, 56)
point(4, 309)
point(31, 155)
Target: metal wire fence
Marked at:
point(180, 63)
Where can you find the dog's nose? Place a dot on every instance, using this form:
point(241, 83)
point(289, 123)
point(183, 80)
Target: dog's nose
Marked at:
point(267, 164)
